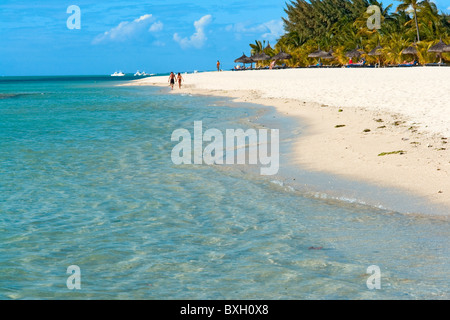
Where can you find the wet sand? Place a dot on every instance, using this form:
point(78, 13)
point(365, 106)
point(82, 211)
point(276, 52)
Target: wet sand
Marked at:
point(388, 127)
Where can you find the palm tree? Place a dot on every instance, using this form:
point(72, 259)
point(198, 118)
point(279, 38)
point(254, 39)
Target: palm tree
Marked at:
point(393, 47)
point(432, 22)
point(291, 40)
point(258, 47)
point(341, 24)
point(414, 4)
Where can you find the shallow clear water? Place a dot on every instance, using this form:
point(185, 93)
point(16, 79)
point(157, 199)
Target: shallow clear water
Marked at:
point(86, 179)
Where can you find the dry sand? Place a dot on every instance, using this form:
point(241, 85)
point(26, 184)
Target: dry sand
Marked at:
point(376, 110)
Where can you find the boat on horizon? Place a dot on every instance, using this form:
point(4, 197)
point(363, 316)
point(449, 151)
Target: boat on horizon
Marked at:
point(118, 74)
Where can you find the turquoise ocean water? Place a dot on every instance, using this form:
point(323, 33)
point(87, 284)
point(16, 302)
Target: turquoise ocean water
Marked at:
point(86, 179)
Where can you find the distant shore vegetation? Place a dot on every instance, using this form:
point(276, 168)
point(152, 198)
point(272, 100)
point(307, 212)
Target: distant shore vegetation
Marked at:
point(338, 26)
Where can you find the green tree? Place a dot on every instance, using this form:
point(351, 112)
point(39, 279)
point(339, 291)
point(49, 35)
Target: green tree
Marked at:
point(258, 47)
point(342, 25)
point(414, 4)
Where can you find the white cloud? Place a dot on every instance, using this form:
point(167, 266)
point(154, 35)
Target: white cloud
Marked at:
point(157, 26)
point(241, 28)
point(127, 30)
point(276, 29)
point(270, 30)
point(198, 39)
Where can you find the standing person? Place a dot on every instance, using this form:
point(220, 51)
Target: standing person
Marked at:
point(272, 64)
point(218, 65)
point(172, 79)
point(179, 79)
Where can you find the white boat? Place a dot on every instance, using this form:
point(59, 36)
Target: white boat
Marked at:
point(118, 74)
point(138, 74)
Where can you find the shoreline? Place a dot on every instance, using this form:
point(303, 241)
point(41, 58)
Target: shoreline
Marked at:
point(397, 152)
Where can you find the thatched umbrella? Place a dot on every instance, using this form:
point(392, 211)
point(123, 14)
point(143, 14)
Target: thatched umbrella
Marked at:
point(327, 55)
point(411, 50)
point(282, 56)
point(355, 53)
point(248, 60)
point(438, 48)
point(241, 58)
point(376, 52)
point(244, 59)
point(260, 57)
point(317, 54)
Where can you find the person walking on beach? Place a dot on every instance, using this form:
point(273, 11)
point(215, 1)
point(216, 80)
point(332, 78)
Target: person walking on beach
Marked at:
point(179, 79)
point(172, 79)
point(218, 65)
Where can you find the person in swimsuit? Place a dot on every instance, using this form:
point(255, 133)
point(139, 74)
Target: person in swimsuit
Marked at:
point(172, 79)
point(218, 65)
point(179, 79)
point(272, 64)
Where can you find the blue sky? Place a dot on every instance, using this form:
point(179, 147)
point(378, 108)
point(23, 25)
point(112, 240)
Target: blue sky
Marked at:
point(153, 36)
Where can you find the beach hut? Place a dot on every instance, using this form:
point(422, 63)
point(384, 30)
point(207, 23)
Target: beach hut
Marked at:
point(438, 48)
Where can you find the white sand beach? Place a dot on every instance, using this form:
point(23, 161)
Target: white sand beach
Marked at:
point(377, 111)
